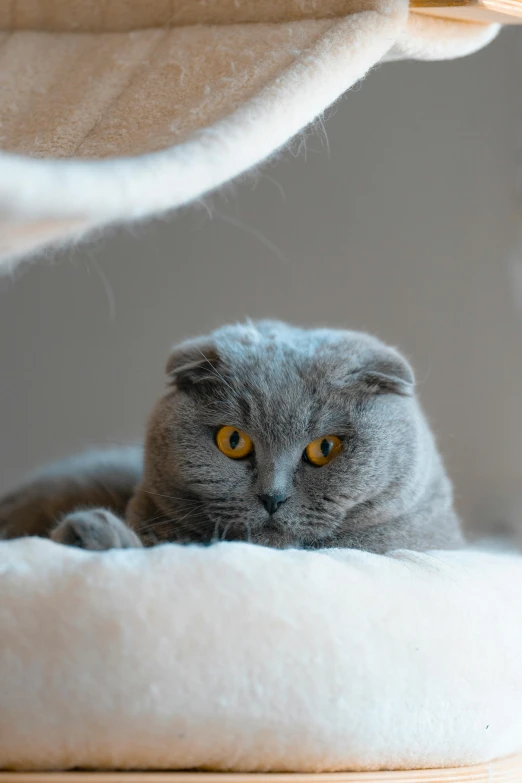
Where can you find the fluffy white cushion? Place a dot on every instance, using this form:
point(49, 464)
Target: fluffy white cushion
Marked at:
point(244, 658)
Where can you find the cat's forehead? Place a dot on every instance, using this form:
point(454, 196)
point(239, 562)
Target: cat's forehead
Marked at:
point(286, 382)
point(284, 353)
point(281, 409)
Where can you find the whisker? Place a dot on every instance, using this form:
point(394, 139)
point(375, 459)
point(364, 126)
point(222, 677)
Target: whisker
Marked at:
point(169, 497)
point(152, 526)
point(215, 534)
point(249, 531)
point(194, 526)
point(159, 516)
point(153, 518)
point(225, 531)
point(185, 516)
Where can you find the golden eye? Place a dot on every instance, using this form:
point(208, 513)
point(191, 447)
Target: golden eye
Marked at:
point(235, 443)
point(323, 450)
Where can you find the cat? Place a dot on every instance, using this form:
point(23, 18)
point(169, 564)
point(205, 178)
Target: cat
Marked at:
point(268, 433)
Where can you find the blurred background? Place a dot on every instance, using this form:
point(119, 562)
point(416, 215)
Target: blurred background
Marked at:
point(402, 218)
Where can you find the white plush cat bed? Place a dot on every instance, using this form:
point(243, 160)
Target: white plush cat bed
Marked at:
point(113, 111)
point(236, 657)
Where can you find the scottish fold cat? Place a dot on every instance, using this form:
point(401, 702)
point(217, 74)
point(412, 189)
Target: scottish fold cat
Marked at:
point(268, 433)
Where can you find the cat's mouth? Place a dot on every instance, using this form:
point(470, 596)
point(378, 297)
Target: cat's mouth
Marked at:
point(272, 525)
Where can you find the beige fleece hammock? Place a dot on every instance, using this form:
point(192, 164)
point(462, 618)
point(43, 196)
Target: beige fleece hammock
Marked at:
point(113, 110)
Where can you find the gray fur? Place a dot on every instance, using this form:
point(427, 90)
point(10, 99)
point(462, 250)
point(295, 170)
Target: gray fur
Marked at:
point(285, 387)
point(96, 529)
point(96, 479)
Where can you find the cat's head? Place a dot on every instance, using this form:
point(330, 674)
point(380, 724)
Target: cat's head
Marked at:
point(279, 435)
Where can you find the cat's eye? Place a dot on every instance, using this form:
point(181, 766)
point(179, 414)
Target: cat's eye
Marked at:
point(323, 450)
point(235, 443)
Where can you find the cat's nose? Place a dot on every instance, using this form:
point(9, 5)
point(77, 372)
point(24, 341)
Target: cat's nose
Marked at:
point(272, 502)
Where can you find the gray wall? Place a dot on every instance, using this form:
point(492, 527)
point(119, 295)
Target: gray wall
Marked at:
point(406, 223)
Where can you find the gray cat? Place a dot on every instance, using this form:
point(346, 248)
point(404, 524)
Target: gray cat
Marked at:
point(271, 434)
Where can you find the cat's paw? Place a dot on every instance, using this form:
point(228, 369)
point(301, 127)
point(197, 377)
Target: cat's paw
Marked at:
point(96, 529)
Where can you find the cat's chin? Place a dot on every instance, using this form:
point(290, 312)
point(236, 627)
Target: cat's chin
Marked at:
point(261, 534)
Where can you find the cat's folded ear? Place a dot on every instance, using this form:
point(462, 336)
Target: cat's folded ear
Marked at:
point(193, 362)
point(386, 372)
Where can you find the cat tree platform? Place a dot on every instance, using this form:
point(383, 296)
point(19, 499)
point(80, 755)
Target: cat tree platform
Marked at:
point(504, 771)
